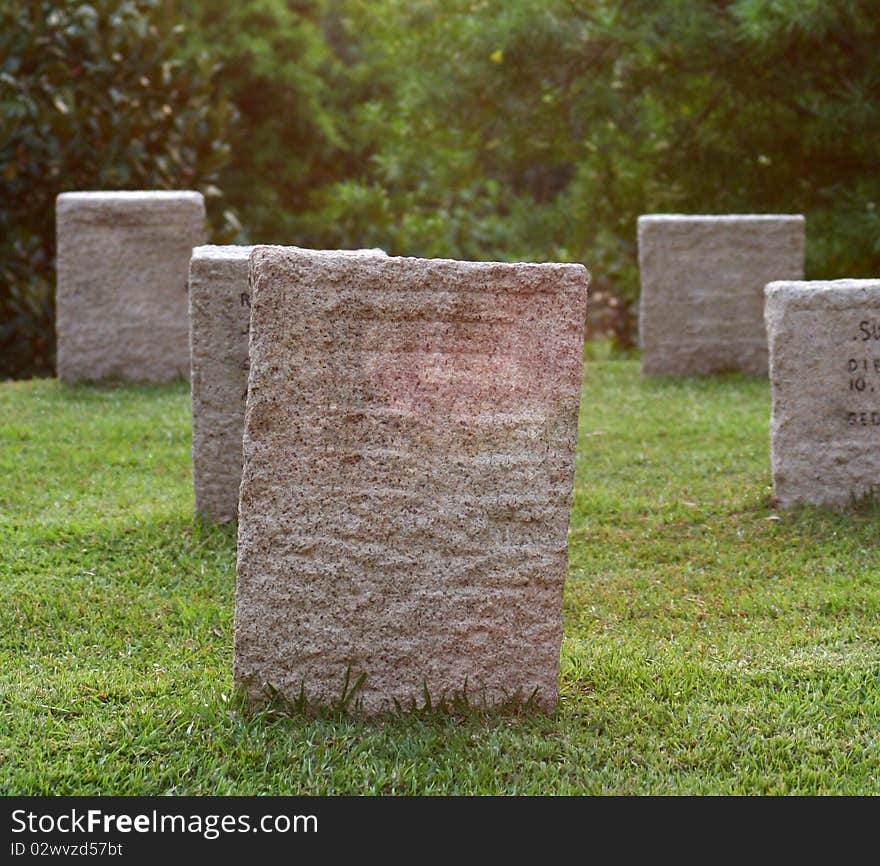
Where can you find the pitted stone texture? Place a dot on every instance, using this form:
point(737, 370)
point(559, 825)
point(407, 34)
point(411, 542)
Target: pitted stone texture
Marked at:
point(825, 382)
point(219, 311)
point(702, 289)
point(122, 269)
point(408, 462)
point(219, 315)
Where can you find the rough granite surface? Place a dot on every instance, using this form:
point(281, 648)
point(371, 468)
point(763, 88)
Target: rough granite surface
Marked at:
point(825, 382)
point(122, 269)
point(702, 289)
point(408, 465)
point(219, 317)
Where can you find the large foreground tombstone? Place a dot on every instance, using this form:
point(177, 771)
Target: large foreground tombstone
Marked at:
point(123, 259)
point(702, 289)
point(408, 462)
point(219, 316)
point(825, 381)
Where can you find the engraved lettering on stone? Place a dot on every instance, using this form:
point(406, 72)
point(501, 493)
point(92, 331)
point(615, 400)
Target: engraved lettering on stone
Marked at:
point(825, 378)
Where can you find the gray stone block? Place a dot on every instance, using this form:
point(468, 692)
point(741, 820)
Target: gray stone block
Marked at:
point(825, 380)
point(702, 289)
point(122, 269)
point(408, 464)
point(219, 315)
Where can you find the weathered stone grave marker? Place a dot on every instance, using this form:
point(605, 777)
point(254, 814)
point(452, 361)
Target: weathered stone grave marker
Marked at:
point(121, 283)
point(219, 314)
point(219, 311)
point(408, 463)
point(702, 289)
point(825, 381)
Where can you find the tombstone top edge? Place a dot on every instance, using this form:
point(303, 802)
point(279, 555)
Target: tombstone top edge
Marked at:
point(720, 218)
point(174, 210)
point(818, 288)
point(128, 196)
point(222, 251)
point(290, 253)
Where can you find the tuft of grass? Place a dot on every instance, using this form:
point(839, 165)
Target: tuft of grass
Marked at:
point(278, 704)
point(459, 705)
point(712, 645)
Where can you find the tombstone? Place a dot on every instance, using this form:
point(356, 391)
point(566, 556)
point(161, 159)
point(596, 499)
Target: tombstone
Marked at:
point(825, 383)
point(702, 289)
point(219, 314)
point(408, 463)
point(122, 276)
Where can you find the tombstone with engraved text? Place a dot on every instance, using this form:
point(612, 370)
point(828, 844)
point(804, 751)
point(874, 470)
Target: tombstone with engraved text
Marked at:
point(824, 341)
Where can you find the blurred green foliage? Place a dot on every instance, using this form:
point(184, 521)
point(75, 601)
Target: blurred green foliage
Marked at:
point(541, 129)
point(92, 96)
point(528, 129)
point(282, 66)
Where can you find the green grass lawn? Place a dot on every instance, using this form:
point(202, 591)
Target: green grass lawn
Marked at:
point(712, 646)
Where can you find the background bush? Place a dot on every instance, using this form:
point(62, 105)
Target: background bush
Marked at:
point(285, 66)
point(541, 129)
point(524, 130)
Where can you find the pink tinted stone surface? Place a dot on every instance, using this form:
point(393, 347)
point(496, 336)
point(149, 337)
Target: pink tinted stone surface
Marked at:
point(408, 463)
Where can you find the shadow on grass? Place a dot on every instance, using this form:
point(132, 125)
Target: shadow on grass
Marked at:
point(825, 522)
point(729, 381)
point(113, 386)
